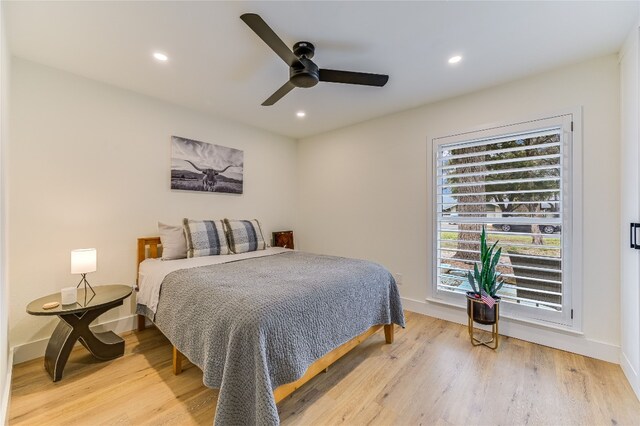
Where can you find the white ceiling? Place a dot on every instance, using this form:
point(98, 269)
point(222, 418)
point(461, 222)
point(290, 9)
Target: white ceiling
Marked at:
point(219, 66)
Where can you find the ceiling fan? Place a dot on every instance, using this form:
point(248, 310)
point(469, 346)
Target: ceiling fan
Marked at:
point(303, 72)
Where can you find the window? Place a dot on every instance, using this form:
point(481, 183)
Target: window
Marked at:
point(518, 182)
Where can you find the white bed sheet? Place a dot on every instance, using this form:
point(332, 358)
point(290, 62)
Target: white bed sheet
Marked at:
point(153, 271)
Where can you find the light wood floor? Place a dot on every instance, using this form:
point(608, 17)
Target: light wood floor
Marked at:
point(430, 375)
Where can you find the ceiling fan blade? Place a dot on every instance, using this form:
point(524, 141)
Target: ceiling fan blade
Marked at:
point(286, 88)
point(257, 24)
point(350, 77)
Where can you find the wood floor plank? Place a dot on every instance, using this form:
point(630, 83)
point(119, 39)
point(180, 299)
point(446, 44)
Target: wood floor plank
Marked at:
point(430, 375)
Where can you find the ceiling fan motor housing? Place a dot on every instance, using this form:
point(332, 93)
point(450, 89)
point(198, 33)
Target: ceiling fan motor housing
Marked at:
point(304, 74)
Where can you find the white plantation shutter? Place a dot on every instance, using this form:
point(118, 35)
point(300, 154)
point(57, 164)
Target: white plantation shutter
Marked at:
point(518, 186)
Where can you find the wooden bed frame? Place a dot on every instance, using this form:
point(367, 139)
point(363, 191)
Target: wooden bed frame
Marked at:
point(149, 248)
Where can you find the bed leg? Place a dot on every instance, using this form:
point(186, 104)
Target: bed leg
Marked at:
point(388, 333)
point(177, 361)
point(141, 322)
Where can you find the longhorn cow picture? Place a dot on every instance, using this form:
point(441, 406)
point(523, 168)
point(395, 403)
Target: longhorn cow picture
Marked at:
point(201, 166)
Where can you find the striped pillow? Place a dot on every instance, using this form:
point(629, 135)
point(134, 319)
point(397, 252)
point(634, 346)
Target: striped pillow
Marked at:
point(244, 235)
point(205, 238)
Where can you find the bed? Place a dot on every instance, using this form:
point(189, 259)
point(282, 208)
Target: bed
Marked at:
point(260, 325)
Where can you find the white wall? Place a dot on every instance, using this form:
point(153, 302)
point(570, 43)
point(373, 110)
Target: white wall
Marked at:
point(630, 209)
point(5, 370)
point(90, 167)
point(363, 191)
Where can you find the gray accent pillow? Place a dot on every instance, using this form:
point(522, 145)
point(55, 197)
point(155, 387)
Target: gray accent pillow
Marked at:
point(244, 235)
point(205, 238)
point(174, 244)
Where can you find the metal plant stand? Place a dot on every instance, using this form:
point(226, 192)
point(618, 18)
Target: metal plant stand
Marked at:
point(493, 342)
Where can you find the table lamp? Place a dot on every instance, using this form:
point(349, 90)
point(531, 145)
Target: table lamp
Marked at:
point(83, 261)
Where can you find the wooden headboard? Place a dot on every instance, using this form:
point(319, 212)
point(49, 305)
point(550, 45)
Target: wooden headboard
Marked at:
point(152, 243)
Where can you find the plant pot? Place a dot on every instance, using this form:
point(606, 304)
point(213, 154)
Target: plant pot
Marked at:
point(482, 314)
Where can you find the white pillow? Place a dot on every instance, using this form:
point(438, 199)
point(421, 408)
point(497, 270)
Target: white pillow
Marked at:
point(174, 243)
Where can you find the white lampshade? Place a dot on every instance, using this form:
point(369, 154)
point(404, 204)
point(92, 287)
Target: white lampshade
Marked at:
point(83, 260)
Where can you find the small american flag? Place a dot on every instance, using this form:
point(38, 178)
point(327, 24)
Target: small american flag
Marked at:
point(488, 300)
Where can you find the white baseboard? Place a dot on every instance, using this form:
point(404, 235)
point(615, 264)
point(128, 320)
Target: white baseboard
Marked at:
point(35, 349)
point(6, 392)
point(555, 338)
point(631, 373)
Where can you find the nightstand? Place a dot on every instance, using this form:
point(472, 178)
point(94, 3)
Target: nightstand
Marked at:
point(283, 239)
point(74, 325)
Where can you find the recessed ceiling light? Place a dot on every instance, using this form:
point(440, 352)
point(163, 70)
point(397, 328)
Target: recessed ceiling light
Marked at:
point(301, 114)
point(455, 59)
point(160, 56)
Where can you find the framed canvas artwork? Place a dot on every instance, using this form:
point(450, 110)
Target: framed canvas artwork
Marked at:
point(201, 166)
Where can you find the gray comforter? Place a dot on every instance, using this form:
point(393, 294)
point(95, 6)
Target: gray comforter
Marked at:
point(255, 324)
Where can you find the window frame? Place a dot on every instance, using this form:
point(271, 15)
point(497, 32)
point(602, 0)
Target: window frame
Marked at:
point(570, 124)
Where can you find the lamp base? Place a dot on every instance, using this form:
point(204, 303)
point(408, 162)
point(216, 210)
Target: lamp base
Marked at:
point(84, 281)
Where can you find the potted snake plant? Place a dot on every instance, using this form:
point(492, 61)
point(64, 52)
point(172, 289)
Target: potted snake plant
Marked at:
point(485, 284)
